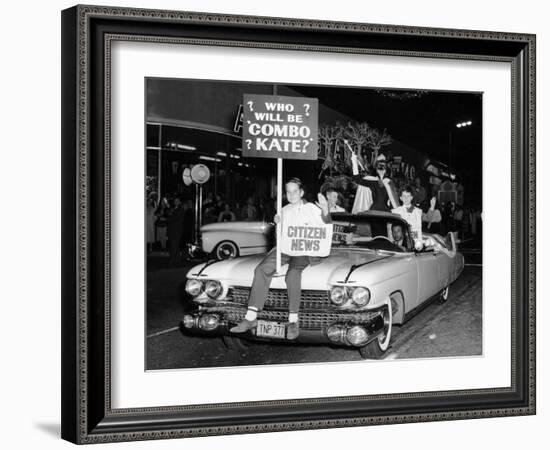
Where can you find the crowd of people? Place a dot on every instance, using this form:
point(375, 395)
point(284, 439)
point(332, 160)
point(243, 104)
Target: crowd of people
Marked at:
point(219, 209)
point(377, 190)
point(170, 223)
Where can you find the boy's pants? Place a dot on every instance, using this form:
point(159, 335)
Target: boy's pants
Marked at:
point(264, 273)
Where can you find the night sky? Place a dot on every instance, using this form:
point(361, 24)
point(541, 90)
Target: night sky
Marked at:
point(423, 120)
point(420, 119)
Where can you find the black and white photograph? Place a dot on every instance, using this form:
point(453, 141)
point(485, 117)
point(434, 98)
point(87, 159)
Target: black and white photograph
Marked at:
point(275, 225)
point(295, 224)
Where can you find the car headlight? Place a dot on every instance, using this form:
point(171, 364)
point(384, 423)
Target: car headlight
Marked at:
point(213, 288)
point(360, 296)
point(338, 295)
point(209, 322)
point(193, 287)
point(188, 321)
point(357, 335)
point(336, 333)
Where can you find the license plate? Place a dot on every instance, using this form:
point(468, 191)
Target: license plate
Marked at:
point(270, 329)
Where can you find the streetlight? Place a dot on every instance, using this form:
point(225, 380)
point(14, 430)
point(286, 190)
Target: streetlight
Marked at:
point(466, 123)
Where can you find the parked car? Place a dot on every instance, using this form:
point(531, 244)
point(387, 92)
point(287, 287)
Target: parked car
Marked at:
point(226, 240)
point(354, 297)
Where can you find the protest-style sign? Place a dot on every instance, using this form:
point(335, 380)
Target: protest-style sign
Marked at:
point(276, 126)
point(281, 127)
point(308, 240)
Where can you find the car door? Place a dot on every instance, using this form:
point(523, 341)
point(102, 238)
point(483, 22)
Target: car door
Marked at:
point(428, 267)
point(447, 261)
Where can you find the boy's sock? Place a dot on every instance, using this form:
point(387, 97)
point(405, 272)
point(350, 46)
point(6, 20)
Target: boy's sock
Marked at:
point(251, 313)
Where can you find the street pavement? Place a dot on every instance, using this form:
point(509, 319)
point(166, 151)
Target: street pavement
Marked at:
point(451, 329)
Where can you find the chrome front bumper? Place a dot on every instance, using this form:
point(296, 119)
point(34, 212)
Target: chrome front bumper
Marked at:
point(218, 321)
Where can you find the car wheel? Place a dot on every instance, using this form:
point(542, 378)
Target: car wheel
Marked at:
point(444, 295)
point(235, 343)
point(226, 250)
point(378, 348)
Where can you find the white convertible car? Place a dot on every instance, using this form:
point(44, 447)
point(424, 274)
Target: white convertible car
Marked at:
point(226, 240)
point(367, 285)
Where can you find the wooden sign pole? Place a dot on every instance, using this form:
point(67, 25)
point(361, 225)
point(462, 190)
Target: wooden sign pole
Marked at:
point(279, 229)
point(279, 207)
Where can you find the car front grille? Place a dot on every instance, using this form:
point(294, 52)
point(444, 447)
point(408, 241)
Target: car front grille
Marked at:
point(277, 299)
point(316, 310)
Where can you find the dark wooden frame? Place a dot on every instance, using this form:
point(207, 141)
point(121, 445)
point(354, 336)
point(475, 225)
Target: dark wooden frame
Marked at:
point(87, 32)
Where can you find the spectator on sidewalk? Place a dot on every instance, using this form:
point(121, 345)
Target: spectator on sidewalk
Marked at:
point(237, 210)
point(466, 221)
point(175, 230)
point(226, 215)
point(249, 212)
point(151, 207)
point(269, 210)
point(431, 217)
point(162, 216)
point(419, 192)
point(188, 227)
point(457, 218)
point(209, 214)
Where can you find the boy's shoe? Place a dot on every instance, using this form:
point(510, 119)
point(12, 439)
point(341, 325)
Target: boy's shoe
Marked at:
point(292, 330)
point(244, 325)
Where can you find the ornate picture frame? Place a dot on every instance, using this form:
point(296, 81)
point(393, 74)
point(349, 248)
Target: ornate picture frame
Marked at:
point(87, 35)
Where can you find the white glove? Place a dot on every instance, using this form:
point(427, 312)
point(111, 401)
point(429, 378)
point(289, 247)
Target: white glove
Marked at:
point(354, 165)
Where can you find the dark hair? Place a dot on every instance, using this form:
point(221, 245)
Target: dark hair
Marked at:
point(428, 202)
point(406, 188)
point(297, 181)
point(339, 196)
point(397, 224)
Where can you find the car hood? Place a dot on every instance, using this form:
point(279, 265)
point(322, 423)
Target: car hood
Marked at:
point(340, 265)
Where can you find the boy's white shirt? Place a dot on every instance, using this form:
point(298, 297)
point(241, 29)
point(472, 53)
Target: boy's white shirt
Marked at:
point(414, 219)
point(301, 214)
point(336, 208)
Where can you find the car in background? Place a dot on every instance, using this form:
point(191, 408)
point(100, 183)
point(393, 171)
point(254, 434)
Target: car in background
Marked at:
point(227, 240)
point(354, 297)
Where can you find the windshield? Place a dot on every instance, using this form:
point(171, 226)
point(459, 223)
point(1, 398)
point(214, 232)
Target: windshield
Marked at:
point(377, 233)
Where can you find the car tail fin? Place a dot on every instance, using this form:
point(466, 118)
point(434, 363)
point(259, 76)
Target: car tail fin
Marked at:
point(453, 242)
